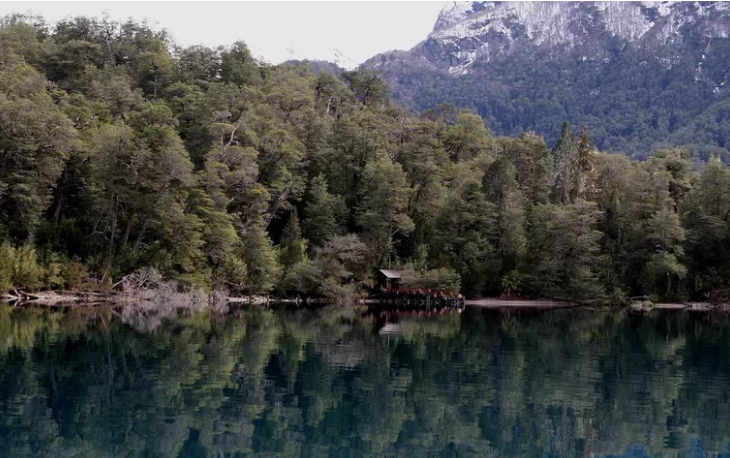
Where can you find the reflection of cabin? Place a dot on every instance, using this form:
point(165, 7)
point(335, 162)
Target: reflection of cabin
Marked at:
point(390, 279)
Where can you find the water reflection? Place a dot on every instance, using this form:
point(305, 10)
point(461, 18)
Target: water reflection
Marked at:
point(354, 382)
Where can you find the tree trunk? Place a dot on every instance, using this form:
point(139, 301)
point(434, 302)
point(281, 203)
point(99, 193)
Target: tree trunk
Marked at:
point(59, 196)
point(112, 238)
point(128, 230)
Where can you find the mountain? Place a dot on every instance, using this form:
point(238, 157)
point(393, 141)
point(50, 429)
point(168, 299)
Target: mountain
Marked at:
point(639, 75)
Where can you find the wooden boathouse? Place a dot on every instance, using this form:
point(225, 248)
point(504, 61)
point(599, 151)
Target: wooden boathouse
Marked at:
point(389, 280)
point(392, 292)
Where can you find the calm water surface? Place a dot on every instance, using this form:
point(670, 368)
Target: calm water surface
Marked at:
point(336, 382)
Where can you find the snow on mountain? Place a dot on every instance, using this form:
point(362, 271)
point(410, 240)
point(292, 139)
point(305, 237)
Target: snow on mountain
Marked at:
point(469, 32)
point(640, 75)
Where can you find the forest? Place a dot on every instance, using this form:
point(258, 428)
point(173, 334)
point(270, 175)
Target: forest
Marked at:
point(121, 150)
point(634, 100)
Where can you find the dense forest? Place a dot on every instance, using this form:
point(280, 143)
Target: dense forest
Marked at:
point(121, 150)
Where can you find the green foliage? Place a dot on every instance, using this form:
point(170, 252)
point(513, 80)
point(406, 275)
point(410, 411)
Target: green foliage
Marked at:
point(19, 268)
point(511, 283)
point(661, 275)
point(231, 273)
point(293, 247)
point(75, 275)
point(383, 200)
point(261, 259)
point(467, 138)
point(120, 152)
point(631, 100)
point(337, 270)
point(7, 253)
point(325, 214)
point(502, 189)
point(461, 239)
point(437, 279)
point(564, 257)
point(35, 141)
point(368, 88)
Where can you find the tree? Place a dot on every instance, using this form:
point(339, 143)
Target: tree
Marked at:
point(564, 255)
point(293, 247)
point(262, 260)
point(381, 213)
point(238, 66)
point(21, 37)
point(36, 139)
point(325, 214)
point(335, 272)
point(502, 189)
point(467, 138)
point(532, 160)
point(706, 217)
point(573, 165)
point(368, 88)
point(198, 63)
point(143, 178)
point(461, 239)
point(155, 68)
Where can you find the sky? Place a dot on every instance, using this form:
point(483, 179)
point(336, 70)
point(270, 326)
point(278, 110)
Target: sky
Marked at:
point(274, 30)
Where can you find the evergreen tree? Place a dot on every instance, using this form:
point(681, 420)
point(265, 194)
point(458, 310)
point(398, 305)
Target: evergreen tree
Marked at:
point(325, 214)
point(293, 247)
point(502, 189)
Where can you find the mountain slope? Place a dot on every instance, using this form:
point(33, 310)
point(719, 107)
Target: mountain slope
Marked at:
point(639, 75)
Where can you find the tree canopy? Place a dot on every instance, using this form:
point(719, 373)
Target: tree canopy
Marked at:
point(120, 150)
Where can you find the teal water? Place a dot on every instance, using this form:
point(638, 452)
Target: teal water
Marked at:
point(345, 382)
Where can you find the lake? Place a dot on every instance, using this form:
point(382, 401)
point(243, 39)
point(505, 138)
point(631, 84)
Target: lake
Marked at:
point(362, 382)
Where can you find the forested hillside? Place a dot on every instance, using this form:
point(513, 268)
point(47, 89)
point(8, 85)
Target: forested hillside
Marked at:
point(640, 75)
point(632, 104)
point(120, 150)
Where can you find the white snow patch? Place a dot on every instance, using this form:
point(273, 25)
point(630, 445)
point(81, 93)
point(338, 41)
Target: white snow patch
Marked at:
point(663, 8)
point(453, 12)
point(554, 23)
point(467, 58)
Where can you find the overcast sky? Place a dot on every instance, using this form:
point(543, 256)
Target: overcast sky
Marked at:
point(276, 31)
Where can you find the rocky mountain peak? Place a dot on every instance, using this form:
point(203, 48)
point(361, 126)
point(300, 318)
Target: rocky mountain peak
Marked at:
point(639, 75)
point(469, 32)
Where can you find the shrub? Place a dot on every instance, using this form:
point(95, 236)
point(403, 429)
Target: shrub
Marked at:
point(511, 283)
point(75, 275)
point(438, 279)
point(19, 268)
point(6, 254)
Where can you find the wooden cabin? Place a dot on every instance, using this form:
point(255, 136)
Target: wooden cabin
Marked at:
point(390, 280)
point(394, 291)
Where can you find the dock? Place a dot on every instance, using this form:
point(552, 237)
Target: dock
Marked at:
point(418, 298)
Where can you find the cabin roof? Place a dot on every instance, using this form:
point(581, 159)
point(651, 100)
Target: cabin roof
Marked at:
point(392, 273)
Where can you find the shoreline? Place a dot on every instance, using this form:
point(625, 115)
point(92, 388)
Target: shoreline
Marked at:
point(52, 298)
point(518, 303)
point(492, 303)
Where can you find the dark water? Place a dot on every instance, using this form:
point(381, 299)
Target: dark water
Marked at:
point(336, 383)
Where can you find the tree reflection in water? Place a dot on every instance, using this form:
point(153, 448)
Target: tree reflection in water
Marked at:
point(330, 382)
